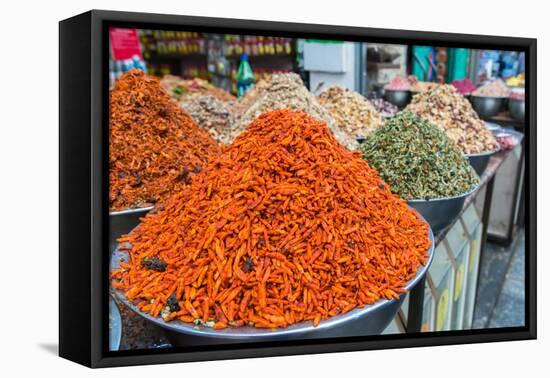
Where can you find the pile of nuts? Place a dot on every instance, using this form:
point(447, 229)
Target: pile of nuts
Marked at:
point(450, 111)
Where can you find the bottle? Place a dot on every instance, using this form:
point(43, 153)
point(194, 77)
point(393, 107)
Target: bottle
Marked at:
point(245, 76)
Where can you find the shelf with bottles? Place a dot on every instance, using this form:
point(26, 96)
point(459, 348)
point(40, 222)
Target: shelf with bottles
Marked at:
point(186, 71)
point(258, 46)
point(175, 44)
point(259, 73)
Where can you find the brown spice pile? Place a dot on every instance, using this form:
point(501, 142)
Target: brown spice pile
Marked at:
point(284, 226)
point(211, 115)
point(450, 111)
point(181, 89)
point(287, 91)
point(353, 113)
point(154, 146)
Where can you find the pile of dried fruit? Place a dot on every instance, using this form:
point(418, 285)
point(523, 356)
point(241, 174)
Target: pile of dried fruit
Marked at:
point(418, 160)
point(211, 115)
point(181, 89)
point(495, 88)
point(287, 91)
point(353, 113)
point(284, 226)
point(450, 111)
point(154, 146)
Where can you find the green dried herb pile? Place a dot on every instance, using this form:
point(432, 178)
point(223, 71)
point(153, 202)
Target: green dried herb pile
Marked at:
point(418, 160)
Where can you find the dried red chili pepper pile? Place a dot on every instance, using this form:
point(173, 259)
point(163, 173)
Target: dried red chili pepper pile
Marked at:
point(154, 146)
point(284, 226)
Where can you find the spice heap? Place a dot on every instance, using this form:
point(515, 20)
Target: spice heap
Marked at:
point(418, 160)
point(181, 89)
point(464, 87)
point(353, 113)
point(154, 146)
point(495, 88)
point(284, 226)
point(250, 97)
point(421, 86)
point(287, 91)
point(211, 115)
point(447, 109)
point(398, 83)
point(385, 108)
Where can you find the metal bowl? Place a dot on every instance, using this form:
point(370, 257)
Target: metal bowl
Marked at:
point(517, 108)
point(485, 106)
point(124, 221)
point(440, 212)
point(480, 161)
point(369, 320)
point(115, 326)
point(494, 128)
point(399, 98)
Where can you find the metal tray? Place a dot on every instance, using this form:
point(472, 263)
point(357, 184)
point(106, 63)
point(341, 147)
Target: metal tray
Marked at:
point(441, 212)
point(369, 320)
point(479, 162)
point(124, 221)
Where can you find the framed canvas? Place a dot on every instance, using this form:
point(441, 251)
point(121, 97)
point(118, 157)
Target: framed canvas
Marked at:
point(235, 188)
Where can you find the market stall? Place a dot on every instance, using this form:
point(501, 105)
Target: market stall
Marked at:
point(224, 136)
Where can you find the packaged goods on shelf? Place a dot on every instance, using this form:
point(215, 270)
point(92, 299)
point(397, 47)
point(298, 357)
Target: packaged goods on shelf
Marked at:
point(450, 111)
point(275, 224)
point(155, 147)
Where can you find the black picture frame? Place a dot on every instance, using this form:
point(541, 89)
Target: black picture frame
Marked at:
point(83, 181)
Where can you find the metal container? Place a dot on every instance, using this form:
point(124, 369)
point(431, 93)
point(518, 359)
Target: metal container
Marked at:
point(115, 326)
point(398, 98)
point(494, 128)
point(369, 320)
point(485, 106)
point(124, 221)
point(440, 212)
point(480, 161)
point(517, 108)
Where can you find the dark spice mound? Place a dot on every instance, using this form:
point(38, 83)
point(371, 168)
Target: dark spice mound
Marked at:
point(152, 142)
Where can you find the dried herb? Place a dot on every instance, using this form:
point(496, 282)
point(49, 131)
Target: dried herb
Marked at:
point(451, 112)
point(331, 238)
point(154, 146)
point(418, 160)
point(154, 263)
point(173, 303)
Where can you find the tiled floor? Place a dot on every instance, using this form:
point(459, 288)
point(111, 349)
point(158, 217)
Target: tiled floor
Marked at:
point(501, 296)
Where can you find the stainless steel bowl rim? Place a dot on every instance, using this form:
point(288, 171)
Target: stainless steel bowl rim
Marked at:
point(397, 90)
point(252, 332)
point(490, 97)
point(486, 153)
point(476, 187)
point(131, 211)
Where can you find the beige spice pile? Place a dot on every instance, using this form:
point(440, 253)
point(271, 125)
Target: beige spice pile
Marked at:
point(353, 113)
point(450, 111)
point(287, 91)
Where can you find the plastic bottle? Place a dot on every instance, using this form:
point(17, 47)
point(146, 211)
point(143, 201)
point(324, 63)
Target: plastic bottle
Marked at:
point(245, 76)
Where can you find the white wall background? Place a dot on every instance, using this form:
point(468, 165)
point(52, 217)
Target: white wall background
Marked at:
point(29, 187)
